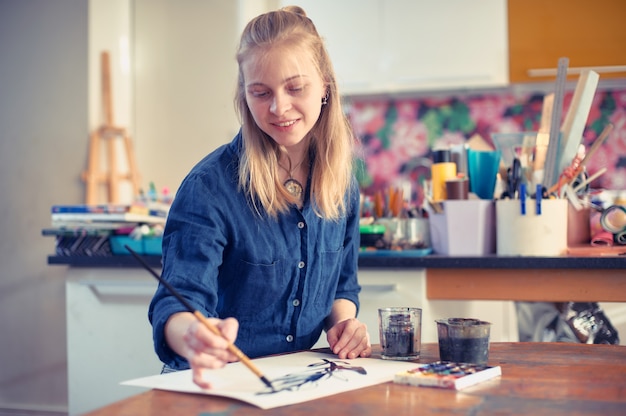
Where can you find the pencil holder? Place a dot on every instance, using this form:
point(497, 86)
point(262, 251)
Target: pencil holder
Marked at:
point(466, 228)
point(531, 233)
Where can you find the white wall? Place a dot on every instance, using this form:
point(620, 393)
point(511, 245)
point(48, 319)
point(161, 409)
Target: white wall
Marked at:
point(43, 144)
point(173, 74)
point(185, 75)
point(111, 30)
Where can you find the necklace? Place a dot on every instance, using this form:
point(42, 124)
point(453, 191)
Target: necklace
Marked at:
point(293, 186)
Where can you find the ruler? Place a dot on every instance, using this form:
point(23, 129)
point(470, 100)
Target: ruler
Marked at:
point(551, 172)
point(576, 118)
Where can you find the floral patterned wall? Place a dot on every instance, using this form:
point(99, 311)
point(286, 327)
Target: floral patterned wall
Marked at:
point(397, 135)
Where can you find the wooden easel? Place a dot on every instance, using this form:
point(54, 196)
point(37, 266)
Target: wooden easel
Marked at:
point(109, 136)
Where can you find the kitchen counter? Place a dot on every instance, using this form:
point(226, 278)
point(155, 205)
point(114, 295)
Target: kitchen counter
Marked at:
point(518, 278)
point(390, 261)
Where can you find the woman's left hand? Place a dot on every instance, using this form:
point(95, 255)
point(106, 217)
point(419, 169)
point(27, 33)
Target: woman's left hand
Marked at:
point(349, 339)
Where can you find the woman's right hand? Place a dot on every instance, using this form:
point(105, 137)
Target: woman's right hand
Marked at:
point(202, 348)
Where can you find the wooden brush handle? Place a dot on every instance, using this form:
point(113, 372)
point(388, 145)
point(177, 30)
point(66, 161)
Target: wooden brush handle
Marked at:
point(231, 347)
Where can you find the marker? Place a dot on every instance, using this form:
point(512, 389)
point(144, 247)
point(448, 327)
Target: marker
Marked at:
point(522, 198)
point(538, 196)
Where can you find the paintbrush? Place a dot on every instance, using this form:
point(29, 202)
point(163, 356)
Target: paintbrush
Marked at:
point(594, 148)
point(231, 347)
point(581, 166)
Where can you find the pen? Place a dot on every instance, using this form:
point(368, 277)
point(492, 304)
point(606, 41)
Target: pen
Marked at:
point(538, 196)
point(590, 179)
point(231, 347)
point(522, 198)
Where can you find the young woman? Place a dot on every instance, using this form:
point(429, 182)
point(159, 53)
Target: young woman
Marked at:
point(263, 236)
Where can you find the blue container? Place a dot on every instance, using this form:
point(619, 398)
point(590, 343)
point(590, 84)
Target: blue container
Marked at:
point(152, 245)
point(119, 241)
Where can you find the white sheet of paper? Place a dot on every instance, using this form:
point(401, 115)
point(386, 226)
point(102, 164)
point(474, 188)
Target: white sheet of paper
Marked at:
point(309, 377)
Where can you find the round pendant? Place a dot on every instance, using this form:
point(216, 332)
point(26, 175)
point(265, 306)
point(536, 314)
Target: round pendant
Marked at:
point(293, 187)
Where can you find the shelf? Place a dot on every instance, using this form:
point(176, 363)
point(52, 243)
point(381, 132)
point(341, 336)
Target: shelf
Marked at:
point(104, 261)
point(398, 262)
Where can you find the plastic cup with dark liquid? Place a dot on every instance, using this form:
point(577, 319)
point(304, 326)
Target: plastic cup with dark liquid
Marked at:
point(463, 340)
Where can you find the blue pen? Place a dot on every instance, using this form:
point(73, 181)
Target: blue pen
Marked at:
point(522, 198)
point(538, 196)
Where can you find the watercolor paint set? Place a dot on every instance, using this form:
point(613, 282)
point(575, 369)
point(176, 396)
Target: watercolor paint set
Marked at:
point(448, 375)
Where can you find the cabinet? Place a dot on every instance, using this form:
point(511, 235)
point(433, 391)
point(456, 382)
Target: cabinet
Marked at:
point(109, 338)
point(589, 33)
point(407, 287)
point(387, 46)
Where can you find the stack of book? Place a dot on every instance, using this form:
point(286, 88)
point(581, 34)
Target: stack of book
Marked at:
point(96, 230)
point(109, 216)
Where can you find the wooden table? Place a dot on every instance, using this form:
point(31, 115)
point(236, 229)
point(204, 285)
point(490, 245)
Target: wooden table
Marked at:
point(537, 379)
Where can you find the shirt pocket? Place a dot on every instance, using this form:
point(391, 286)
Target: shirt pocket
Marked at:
point(326, 285)
point(254, 290)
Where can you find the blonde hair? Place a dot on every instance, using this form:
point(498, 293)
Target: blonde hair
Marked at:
point(331, 141)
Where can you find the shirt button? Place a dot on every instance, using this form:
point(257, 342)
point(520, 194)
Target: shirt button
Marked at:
point(296, 302)
point(289, 338)
point(300, 224)
point(301, 265)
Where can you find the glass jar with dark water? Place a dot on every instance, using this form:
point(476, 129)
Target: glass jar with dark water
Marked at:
point(400, 333)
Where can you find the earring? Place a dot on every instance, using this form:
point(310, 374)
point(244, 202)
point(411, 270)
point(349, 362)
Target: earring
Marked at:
point(325, 98)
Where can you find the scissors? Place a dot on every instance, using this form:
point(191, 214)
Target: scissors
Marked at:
point(514, 175)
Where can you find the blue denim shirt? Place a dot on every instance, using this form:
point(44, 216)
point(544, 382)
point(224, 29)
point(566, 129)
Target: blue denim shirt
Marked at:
point(278, 277)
